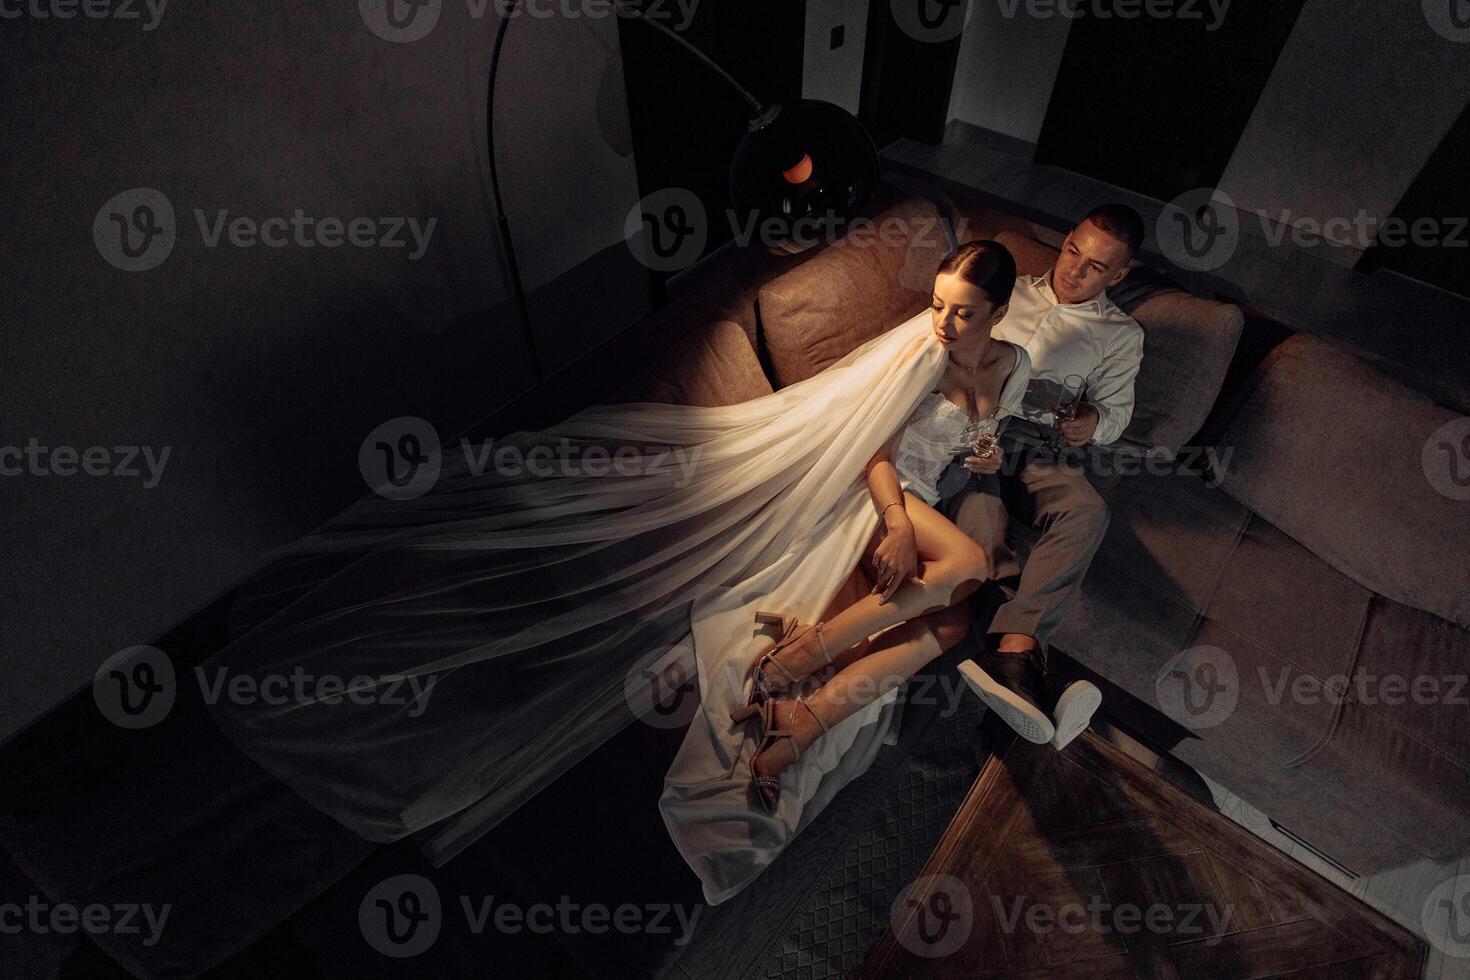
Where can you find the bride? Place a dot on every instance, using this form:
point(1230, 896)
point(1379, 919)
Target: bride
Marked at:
point(454, 653)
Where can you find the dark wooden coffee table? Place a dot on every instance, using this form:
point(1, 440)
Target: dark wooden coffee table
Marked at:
point(1087, 863)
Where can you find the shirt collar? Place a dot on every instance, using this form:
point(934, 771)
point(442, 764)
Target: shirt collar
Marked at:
point(1098, 304)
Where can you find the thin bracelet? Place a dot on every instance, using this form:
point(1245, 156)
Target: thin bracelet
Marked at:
point(896, 503)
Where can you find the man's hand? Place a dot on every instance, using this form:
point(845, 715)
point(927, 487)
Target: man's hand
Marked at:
point(1079, 430)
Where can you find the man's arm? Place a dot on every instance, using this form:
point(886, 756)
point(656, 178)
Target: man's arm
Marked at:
point(1110, 388)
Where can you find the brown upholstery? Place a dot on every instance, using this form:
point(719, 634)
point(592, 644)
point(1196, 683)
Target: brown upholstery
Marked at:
point(1325, 553)
point(875, 278)
point(714, 365)
point(1332, 452)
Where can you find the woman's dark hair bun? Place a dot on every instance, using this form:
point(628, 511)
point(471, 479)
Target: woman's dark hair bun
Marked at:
point(984, 263)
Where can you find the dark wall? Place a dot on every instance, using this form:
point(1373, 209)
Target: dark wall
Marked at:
point(259, 370)
point(1157, 104)
point(1441, 195)
point(686, 120)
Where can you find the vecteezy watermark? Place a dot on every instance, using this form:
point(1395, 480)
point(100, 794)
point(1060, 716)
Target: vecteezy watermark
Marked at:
point(1446, 459)
point(668, 229)
point(136, 230)
point(405, 21)
point(1181, 922)
point(135, 688)
point(402, 459)
point(1450, 19)
point(1209, 12)
point(1365, 688)
point(1200, 230)
point(1446, 917)
point(303, 688)
point(933, 915)
point(665, 692)
point(120, 10)
point(1198, 687)
point(932, 21)
point(41, 917)
point(38, 460)
point(403, 916)
point(1363, 230)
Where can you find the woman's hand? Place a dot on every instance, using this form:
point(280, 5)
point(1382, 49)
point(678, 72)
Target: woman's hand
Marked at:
point(896, 557)
point(984, 464)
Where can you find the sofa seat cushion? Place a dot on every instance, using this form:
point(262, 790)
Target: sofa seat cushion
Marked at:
point(1187, 346)
point(713, 365)
point(1349, 463)
point(1400, 734)
point(877, 276)
point(1186, 572)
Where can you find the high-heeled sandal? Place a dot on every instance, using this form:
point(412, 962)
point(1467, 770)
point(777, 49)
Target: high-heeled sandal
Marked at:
point(768, 788)
point(760, 687)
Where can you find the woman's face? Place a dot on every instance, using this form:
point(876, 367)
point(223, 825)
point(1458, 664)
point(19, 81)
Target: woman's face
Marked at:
point(963, 313)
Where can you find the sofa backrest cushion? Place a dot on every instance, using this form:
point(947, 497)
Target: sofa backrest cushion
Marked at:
point(877, 276)
point(713, 365)
point(1368, 474)
point(1187, 345)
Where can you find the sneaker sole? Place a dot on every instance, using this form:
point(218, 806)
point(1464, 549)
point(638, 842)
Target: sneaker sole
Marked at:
point(1025, 718)
point(1074, 711)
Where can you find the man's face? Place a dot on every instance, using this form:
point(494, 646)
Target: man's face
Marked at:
point(1091, 261)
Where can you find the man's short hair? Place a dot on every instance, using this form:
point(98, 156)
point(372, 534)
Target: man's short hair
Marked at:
point(1120, 221)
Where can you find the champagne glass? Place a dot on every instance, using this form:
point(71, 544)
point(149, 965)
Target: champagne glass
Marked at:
point(982, 437)
point(1068, 403)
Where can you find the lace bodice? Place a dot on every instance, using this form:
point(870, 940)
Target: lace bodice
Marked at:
point(935, 430)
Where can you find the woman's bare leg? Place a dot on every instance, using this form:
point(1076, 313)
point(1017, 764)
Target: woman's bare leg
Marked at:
point(951, 567)
point(889, 660)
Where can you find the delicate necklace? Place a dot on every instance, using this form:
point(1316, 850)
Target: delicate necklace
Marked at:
point(970, 402)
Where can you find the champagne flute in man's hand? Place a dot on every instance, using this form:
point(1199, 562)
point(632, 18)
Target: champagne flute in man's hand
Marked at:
point(1069, 403)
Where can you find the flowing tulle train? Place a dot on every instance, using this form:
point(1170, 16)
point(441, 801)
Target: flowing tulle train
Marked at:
point(439, 660)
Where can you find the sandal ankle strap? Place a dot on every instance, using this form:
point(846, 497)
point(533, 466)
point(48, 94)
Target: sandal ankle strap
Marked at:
point(809, 710)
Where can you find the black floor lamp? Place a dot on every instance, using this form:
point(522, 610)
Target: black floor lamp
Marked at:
point(801, 168)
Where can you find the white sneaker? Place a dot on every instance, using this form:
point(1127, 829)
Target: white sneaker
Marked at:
point(1028, 721)
point(1073, 711)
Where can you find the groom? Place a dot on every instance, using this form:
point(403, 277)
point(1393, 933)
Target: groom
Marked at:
point(1068, 325)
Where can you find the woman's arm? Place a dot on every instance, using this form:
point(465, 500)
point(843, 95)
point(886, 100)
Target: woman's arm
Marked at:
point(897, 555)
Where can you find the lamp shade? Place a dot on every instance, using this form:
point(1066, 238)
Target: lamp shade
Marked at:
point(802, 173)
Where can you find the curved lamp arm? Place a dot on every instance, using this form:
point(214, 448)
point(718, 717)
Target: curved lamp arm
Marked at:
point(503, 12)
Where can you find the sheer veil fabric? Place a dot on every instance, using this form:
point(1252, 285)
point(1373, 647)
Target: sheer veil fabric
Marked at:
point(425, 666)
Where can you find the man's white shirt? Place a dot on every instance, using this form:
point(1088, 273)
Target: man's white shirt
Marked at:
point(1095, 340)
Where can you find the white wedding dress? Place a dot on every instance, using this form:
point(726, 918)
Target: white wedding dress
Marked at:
point(494, 631)
point(705, 804)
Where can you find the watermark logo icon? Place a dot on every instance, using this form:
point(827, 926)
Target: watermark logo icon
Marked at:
point(1198, 687)
point(1450, 19)
point(1199, 230)
point(665, 693)
point(135, 230)
point(933, 916)
point(401, 916)
point(667, 230)
point(932, 21)
point(1446, 459)
point(135, 688)
point(400, 21)
point(401, 458)
point(1446, 917)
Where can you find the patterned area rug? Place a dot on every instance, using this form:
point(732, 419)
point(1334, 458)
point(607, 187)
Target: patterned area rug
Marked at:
point(847, 907)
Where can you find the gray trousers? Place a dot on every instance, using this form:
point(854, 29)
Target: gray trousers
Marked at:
point(1053, 497)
